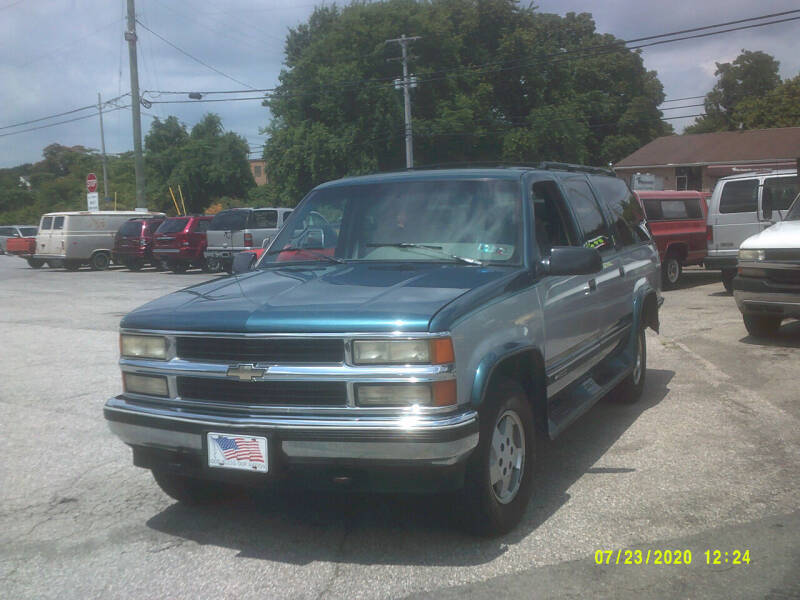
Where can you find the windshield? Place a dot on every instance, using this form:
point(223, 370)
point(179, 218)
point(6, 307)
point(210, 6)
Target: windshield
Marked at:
point(172, 226)
point(470, 221)
point(794, 210)
point(28, 231)
point(229, 220)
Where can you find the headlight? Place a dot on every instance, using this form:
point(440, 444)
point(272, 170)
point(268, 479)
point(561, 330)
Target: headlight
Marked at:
point(403, 352)
point(440, 393)
point(149, 385)
point(752, 255)
point(143, 346)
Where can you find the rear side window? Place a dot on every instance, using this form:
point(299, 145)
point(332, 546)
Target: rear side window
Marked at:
point(28, 231)
point(264, 219)
point(131, 229)
point(624, 208)
point(782, 190)
point(47, 223)
point(229, 220)
point(201, 226)
point(152, 225)
point(172, 226)
point(58, 223)
point(7, 231)
point(739, 196)
point(587, 213)
point(670, 209)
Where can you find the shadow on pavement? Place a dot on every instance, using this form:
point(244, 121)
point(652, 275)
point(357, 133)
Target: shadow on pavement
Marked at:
point(788, 336)
point(696, 277)
point(304, 527)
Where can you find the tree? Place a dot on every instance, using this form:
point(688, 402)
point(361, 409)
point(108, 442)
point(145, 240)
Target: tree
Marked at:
point(778, 108)
point(752, 75)
point(498, 81)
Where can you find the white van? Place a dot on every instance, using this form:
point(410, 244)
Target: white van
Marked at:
point(736, 211)
point(77, 238)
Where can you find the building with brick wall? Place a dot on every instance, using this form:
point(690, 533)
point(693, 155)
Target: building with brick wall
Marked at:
point(696, 161)
point(258, 168)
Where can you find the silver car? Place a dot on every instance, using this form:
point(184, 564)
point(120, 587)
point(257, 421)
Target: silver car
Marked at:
point(237, 229)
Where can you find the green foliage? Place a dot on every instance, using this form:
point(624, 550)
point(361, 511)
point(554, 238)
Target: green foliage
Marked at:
point(778, 108)
point(529, 104)
point(751, 76)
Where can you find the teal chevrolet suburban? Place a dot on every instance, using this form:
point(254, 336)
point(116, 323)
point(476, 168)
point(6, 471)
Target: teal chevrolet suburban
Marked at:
point(411, 331)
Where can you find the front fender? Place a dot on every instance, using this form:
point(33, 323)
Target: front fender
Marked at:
point(490, 361)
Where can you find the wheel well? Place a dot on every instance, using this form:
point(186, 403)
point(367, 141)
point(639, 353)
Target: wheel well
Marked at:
point(680, 251)
point(526, 368)
point(650, 311)
point(101, 250)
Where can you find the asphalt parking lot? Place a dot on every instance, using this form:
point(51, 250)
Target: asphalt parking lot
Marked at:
point(708, 460)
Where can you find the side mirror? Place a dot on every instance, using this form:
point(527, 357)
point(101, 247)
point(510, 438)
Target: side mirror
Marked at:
point(573, 260)
point(315, 238)
point(243, 262)
point(766, 203)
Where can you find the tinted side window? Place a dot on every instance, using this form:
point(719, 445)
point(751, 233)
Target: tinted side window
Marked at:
point(553, 226)
point(9, 231)
point(264, 219)
point(782, 190)
point(739, 196)
point(201, 226)
point(58, 223)
point(47, 223)
point(587, 213)
point(623, 207)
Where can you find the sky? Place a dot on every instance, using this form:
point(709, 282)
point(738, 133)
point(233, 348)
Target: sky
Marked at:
point(57, 55)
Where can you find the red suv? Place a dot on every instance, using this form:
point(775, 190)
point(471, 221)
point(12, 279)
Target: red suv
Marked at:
point(134, 242)
point(677, 222)
point(180, 242)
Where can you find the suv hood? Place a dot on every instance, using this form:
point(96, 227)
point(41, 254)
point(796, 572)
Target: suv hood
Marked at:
point(356, 297)
point(785, 234)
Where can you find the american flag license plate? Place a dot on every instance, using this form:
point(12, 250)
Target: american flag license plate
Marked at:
point(242, 452)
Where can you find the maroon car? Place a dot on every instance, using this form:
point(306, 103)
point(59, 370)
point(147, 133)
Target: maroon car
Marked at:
point(180, 242)
point(133, 243)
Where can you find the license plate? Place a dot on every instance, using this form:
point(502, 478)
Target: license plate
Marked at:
point(242, 452)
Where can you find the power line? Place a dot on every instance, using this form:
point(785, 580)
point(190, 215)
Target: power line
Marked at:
point(59, 122)
point(194, 58)
point(69, 112)
point(680, 99)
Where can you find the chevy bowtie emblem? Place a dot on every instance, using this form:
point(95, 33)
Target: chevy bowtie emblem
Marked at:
point(245, 372)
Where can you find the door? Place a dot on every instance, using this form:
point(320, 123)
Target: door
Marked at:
point(56, 243)
point(570, 321)
point(737, 218)
point(610, 299)
point(782, 192)
point(43, 237)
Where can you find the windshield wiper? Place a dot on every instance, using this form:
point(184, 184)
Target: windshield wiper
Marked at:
point(334, 259)
point(438, 249)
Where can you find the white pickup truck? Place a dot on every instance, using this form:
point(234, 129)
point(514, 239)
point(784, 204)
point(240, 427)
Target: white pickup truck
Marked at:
point(767, 284)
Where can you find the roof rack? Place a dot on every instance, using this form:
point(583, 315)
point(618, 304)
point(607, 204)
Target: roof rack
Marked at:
point(560, 166)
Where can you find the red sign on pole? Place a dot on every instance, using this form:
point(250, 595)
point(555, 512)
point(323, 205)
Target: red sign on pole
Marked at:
point(91, 182)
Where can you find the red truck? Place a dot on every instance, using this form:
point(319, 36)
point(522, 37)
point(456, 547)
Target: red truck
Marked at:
point(677, 222)
point(180, 242)
point(24, 247)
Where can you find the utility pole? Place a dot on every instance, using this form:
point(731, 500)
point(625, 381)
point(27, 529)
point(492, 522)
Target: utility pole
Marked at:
point(406, 83)
point(103, 147)
point(138, 161)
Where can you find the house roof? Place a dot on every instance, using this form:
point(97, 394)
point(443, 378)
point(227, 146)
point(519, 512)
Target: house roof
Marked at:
point(756, 145)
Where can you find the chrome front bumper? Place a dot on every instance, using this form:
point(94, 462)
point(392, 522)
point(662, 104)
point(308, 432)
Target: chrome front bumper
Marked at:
point(432, 440)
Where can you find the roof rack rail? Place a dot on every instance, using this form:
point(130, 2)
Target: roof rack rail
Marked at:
point(560, 166)
point(496, 164)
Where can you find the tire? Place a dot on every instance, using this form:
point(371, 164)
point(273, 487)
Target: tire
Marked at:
point(727, 279)
point(762, 325)
point(188, 490)
point(494, 509)
point(177, 267)
point(99, 261)
point(227, 266)
point(671, 270)
point(72, 265)
point(55, 264)
point(213, 265)
point(630, 390)
point(35, 263)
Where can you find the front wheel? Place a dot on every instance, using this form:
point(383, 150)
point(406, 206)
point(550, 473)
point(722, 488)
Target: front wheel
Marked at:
point(670, 272)
point(35, 263)
point(188, 490)
point(630, 390)
point(499, 478)
point(761, 325)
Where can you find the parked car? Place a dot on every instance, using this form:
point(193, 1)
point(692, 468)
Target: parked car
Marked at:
point(78, 238)
point(736, 212)
point(767, 286)
point(133, 243)
point(677, 222)
point(455, 316)
point(14, 231)
point(25, 247)
point(237, 229)
point(180, 243)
